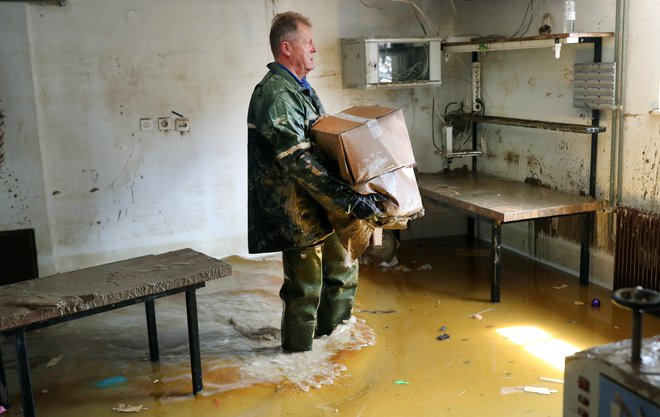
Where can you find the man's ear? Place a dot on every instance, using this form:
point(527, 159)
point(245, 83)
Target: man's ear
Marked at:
point(285, 48)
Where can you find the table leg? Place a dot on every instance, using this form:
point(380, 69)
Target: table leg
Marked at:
point(24, 375)
point(4, 391)
point(152, 330)
point(496, 254)
point(193, 340)
point(584, 248)
point(470, 229)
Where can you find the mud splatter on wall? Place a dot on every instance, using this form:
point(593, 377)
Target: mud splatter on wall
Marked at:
point(2, 134)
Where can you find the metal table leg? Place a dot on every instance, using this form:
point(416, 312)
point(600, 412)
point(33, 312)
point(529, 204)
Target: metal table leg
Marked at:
point(496, 253)
point(584, 248)
point(4, 391)
point(24, 375)
point(152, 330)
point(193, 340)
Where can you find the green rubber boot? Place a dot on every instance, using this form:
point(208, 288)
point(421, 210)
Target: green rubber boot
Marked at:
point(300, 294)
point(339, 285)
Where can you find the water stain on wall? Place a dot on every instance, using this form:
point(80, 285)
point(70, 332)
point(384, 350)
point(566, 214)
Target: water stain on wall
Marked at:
point(512, 157)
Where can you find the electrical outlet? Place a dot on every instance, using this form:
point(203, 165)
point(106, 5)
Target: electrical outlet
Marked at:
point(165, 123)
point(182, 124)
point(146, 124)
point(476, 86)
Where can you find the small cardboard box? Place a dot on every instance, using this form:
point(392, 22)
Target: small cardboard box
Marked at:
point(364, 142)
point(404, 203)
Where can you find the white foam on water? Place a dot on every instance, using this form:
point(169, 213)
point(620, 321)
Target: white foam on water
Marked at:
point(315, 368)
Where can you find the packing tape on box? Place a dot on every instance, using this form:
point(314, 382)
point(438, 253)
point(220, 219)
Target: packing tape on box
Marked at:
point(372, 124)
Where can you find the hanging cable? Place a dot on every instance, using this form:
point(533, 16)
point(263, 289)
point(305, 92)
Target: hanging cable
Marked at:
point(433, 125)
point(421, 17)
point(528, 11)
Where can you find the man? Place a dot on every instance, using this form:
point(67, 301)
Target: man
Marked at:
point(290, 193)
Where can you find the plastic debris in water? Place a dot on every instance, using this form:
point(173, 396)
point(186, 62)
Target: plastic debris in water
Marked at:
point(401, 382)
point(127, 408)
point(539, 390)
point(426, 267)
point(548, 379)
point(595, 303)
point(110, 381)
point(54, 361)
point(443, 336)
point(443, 328)
point(478, 315)
point(2, 410)
point(560, 287)
point(578, 303)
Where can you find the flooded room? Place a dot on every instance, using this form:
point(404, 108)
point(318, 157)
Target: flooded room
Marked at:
point(351, 208)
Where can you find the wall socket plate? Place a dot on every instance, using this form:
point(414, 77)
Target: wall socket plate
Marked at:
point(165, 123)
point(476, 86)
point(146, 124)
point(181, 124)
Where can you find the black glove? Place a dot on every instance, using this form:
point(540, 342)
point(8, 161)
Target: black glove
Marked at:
point(365, 207)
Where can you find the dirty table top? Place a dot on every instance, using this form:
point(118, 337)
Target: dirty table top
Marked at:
point(65, 294)
point(501, 199)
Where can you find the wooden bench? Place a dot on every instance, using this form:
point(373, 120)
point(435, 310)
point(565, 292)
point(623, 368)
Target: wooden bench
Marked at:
point(42, 302)
point(500, 200)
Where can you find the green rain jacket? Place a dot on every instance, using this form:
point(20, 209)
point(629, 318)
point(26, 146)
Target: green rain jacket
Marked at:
point(290, 192)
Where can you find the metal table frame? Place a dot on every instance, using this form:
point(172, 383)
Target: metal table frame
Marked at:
point(22, 361)
point(188, 282)
point(499, 201)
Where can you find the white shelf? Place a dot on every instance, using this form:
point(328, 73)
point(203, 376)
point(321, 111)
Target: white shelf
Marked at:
point(529, 42)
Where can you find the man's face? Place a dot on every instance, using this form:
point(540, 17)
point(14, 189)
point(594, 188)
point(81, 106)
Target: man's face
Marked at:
point(302, 51)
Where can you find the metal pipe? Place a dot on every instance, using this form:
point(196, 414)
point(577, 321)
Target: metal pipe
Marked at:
point(636, 351)
point(616, 166)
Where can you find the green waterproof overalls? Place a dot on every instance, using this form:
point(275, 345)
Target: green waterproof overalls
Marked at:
point(290, 194)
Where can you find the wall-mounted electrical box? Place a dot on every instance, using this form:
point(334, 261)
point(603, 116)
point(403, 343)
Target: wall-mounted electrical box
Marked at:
point(391, 62)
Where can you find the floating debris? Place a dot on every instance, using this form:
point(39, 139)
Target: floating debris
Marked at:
point(401, 382)
point(127, 408)
point(560, 287)
point(510, 390)
point(426, 267)
point(362, 310)
point(110, 381)
point(539, 390)
point(443, 336)
point(478, 315)
point(54, 361)
point(548, 379)
point(578, 303)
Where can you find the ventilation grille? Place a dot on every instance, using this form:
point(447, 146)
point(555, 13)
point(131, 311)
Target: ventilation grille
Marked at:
point(637, 253)
point(593, 85)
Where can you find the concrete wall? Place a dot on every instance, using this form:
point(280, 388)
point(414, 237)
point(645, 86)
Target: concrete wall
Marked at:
point(22, 199)
point(532, 84)
point(77, 79)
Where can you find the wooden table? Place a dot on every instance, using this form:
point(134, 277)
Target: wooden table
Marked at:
point(42, 302)
point(501, 200)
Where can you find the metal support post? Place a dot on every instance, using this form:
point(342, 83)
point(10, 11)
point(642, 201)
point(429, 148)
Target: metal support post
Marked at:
point(152, 330)
point(496, 254)
point(193, 340)
point(24, 375)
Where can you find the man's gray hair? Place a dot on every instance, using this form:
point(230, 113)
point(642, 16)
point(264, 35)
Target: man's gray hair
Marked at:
point(285, 27)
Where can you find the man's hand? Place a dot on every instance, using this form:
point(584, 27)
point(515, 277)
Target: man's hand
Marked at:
point(365, 207)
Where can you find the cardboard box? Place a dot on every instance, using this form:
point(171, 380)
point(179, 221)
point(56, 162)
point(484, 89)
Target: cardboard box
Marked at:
point(369, 147)
point(405, 202)
point(364, 142)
